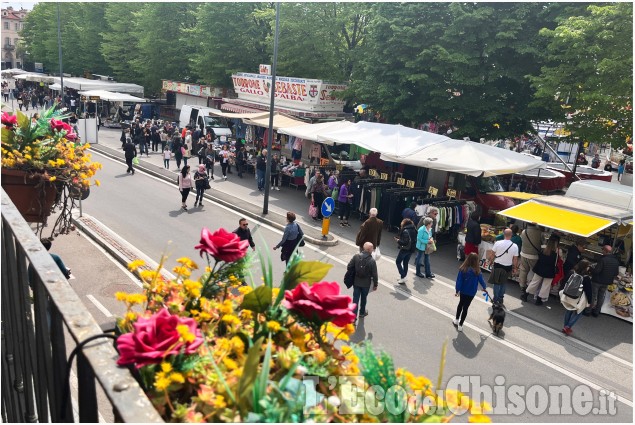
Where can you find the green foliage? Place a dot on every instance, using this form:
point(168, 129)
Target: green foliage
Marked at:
point(250, 371)
point(259, 300)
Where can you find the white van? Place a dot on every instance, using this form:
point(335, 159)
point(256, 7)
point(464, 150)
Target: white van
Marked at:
point(200, 117)
point(601, 192)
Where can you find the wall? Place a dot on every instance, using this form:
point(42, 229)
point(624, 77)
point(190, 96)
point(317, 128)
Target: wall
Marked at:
point(184, 99)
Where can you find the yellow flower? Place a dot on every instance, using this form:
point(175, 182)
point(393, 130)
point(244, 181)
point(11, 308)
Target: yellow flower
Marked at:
point(319, 355)
point(135, 265)
point(273, 326)
point(185, 334)
point(177, 377)
point(52, 178)
point(131, 316)
point(226, 308)
point(274, 293)
point(162, 384)
point(238, 345)
point(193, 287)
point(230, 363)
point(219, 402)
point(245, 290)
point(147, 275)
point(182, 271)
point(231, 319)
point(479, 419)
point(166, 367)
point(187, 263)
point(136, 299)
point(121, 296)
point(97, 182)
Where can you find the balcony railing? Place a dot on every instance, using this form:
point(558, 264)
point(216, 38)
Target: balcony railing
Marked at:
point(38, 305)
point(8, 46)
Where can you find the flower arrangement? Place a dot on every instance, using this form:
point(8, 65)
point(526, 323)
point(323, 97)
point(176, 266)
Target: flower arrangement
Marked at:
point(217, 350)
point(47, 151)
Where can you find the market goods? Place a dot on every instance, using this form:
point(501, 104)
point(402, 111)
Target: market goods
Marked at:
point(622, 311)
point(620, 299)
point(612, 287)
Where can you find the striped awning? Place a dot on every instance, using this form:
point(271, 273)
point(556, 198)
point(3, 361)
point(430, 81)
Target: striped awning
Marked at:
point(239, 109)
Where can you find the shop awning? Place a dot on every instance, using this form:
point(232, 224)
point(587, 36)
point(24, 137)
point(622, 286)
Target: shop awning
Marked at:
point(35, 77)
point(112, 96)
point(239, 109)
point(311, 131)
point(523, 196)
point(556, 218)
point(279, 121)
point(240, 116)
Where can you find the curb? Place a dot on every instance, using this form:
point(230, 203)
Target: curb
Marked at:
point(331, 241)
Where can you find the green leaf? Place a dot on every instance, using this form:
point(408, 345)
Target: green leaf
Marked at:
point(260, 387)
point(23, 121)
point(250, 370)
point(7, 135)
point(258, 300)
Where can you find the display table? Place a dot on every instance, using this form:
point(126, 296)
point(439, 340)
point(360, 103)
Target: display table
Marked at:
point(618, 302)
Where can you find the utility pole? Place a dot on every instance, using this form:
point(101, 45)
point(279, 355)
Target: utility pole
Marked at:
point(59, 49)
point(265, 207)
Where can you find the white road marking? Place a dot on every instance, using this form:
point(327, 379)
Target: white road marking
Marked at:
point(521, 350)
point(99, 305)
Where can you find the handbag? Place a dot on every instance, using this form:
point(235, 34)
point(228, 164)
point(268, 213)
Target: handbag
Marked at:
point(335, 193)
point(430, 247)
point(349, 277)
point(301, 236)
point(312, 210)
point(543, 266)
point(135, 160)
point(207, 185)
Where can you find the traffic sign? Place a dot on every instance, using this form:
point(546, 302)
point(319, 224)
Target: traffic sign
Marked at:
point(328, 206)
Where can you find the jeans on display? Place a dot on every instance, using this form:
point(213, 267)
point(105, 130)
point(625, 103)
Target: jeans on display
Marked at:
point(403, 258)
point(359, 298)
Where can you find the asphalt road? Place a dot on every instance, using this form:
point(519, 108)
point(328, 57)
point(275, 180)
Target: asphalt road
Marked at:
point(411, 323)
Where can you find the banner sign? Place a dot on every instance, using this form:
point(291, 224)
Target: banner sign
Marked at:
point(265, 69)
point(297, 93)
point(192, 89)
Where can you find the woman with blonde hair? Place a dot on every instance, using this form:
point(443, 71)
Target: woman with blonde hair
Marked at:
point(467, 282)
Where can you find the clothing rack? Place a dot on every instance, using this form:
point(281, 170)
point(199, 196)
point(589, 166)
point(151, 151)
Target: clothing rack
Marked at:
point(370, 197)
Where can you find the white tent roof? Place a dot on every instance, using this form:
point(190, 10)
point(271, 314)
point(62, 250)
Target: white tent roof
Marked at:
point(13, 71)
point(35, 76)
point(473, 159)
point(311, 131)
point(112, 96)
point(395, 140)
point(86, 84)
point(279, 121)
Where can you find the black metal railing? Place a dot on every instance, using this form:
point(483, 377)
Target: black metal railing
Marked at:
point(38, 304)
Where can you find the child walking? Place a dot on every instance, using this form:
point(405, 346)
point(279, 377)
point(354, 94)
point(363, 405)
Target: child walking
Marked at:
point(466, 286)
point(166, 158)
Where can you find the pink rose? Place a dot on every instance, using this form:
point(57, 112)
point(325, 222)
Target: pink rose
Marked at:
point(320, 302)
point(155, 338)
point(222, 245)
point(9, 120)
point(57, 125)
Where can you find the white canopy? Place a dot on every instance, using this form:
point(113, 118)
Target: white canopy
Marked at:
point(34, 76)
point(311, 131)
point(86, 84)
point(112, 96)
point(473, 159)
point(279, 121)
point(13, 71)
point(395, 140)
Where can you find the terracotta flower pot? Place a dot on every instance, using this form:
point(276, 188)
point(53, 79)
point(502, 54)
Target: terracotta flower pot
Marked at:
point(32, 195)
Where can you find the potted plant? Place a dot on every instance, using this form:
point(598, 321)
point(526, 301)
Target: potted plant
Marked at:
point(45, 167)
point(214, 349)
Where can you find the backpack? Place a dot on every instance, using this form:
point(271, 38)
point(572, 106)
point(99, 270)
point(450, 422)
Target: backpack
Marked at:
point(408, 245)
point(574, 286)
point(362, 268)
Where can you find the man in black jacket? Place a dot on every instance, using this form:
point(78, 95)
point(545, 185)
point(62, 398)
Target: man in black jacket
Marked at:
point(365, 277)
point(574, 255)
point(130, 153)
point(472, 234)
point(261, 169)
point(244, 233)
point(603, 274)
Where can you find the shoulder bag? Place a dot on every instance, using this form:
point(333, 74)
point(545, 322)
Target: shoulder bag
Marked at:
point(312, 210)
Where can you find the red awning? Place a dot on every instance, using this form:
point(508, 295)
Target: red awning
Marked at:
point(231, 107)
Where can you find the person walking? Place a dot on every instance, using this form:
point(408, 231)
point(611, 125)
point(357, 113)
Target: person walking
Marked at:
point(166, 158)
point(224, 160)
point(344, 199)
point(200, 182)
point(291, 238)
point(261, 169)
point(603, 275)
point(163, 137)
point(185, 185)
point(244, 233)
point(210, 160)
point(503, 255)
point(365, 276)
point(177, 150)
point(531, 241)
point(407, 243)
point(333, 181)
point(187, 152)
point(433, 213)
point(318, 195)
point(472, 234)
point(572, 315)
point(370, 231)
point(275, 172)
point(130, 152)
point(424, 237)
point(544, 272)
point(467, 282)
point(620, 169)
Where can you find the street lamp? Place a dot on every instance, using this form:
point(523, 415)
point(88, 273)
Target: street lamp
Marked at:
point(59, 49)
point(265, 207)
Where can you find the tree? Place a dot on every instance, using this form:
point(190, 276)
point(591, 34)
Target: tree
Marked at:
point(588, 77)
point(120, 42)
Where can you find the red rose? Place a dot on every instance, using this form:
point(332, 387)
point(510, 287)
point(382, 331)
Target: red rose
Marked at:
point(9, 120)
point(322, 302)
point(57, 125)
point(222, 245)
point(156, 337)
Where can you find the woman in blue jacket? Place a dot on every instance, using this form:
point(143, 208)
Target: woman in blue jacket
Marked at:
point(466, 286)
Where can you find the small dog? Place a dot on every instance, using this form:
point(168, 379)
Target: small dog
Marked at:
point(497, 318)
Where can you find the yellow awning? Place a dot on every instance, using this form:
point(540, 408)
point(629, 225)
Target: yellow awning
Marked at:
point(556, 218)
point(524, 196)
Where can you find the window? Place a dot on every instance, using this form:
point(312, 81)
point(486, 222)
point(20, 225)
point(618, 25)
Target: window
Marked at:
point(6, 25)
point(7, 41)
point(17, 26)
point(15, 42)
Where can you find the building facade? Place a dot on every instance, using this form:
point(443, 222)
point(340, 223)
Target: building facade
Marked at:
point(11, 24)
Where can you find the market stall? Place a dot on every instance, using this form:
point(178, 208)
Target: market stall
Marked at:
point(600, 225)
